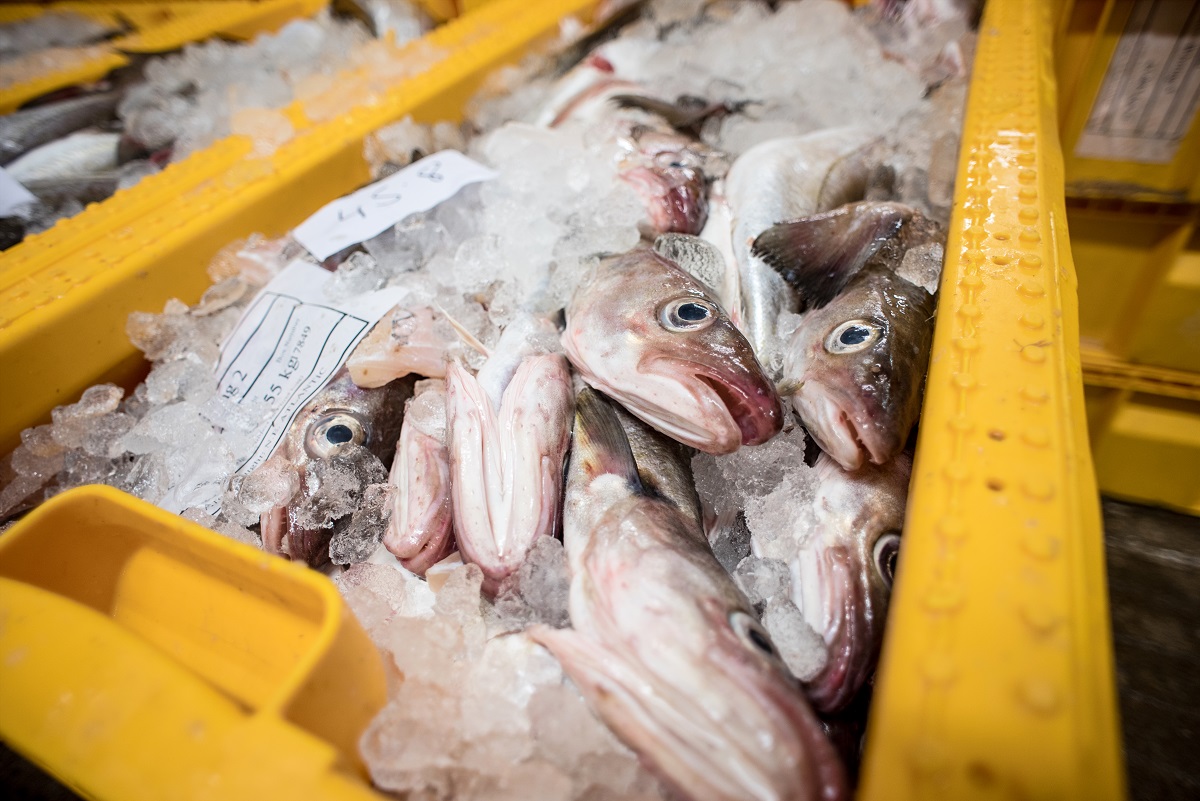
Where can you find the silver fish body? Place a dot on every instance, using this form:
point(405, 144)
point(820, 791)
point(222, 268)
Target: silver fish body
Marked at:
point(22, 131)
point(81, 153)
point(663, 646)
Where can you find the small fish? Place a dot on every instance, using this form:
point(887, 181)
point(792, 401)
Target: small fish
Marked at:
point(81, 153)
point(509, 430)
point(855, 365)
point(343, 421)
point(664, 647)
point(777, 180)
point(420, 530)
point(669, 170)
point(84, 189)
point(842, 575)
point(22, 131)
point(648, 334)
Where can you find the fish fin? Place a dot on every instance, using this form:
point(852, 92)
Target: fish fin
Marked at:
point(465, 335)
point(697, 257)
point(847, 179)
point(818, 255)
point(686, 115)
point(601, 445)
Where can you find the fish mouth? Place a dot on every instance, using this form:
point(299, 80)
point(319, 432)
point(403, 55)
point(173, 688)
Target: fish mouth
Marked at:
point(755, 410)
point(842, 613)
point(676, 203)
point(840, 426)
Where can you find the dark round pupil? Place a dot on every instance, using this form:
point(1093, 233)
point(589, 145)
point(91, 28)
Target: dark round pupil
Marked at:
point(692, 312)
point(339, 434)
point(760, 640)
point(854, 335)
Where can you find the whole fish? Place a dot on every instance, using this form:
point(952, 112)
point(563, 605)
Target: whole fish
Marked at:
point(509, 430)
point(842, 575)
point(645, 332)
point(420, 530)
point(81, 153)
point(855, 365)
point(663, 646)
point(343, 422)
point(670, 171)
point(778, 180)
point(22, 131)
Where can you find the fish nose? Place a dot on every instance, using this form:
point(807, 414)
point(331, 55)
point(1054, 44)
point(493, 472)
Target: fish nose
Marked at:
point(751, 401)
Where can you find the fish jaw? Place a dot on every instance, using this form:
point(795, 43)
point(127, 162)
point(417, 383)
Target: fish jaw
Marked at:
point(403, 343)
point(506, 464)
point(839, 426)
point(674, 198)
point(653, 651)
point(419, 529)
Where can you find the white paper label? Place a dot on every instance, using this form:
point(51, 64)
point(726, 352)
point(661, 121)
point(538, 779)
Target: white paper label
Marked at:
point(12, 194)
point(1152, 88)
point(289, 343)
point(373, 209)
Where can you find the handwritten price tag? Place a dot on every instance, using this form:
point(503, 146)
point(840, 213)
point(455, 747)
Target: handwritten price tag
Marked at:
point(373, 209)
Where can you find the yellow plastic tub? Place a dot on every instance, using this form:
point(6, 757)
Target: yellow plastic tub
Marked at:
point(156, 28)
point(1129, 99)
point(996, 679)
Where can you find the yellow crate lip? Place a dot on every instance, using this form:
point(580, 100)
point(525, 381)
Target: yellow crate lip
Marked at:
point(187, 21)
point(997, 671)
point(997, 667)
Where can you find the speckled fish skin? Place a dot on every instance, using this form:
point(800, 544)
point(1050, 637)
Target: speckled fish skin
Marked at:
point(778, 180)
point(22, 131)
point(664, 647)
point(842, 575)
point(373, 417)
point(697, 381)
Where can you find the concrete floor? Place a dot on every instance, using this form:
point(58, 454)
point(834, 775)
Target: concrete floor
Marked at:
point(1154, 587)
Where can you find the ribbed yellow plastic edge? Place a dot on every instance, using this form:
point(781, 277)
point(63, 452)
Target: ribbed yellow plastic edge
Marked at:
point(159, 27)
point(996, 679)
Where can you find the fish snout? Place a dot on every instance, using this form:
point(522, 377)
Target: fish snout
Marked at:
point(674, 199)
point(750, 400)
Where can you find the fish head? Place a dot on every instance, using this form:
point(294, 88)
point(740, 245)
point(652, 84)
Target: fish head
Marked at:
point(343, 423)
point(855, 367)
point(666, 649)
point(670, 173)
point(846, 569)
point(648, 334)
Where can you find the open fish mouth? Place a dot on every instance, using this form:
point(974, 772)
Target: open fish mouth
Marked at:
point(840, 427)
point(839, 614)
point(755, 412)
point(675, 205)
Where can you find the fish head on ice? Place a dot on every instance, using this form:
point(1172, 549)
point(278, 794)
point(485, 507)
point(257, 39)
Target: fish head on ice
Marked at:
point(855, 367)
point(343, 422)
point(648, 334)
point(664, 646)
point(844, 574)
point(670, 173)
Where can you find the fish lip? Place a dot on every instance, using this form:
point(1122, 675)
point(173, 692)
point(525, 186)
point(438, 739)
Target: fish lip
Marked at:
point(847, 635)
point(674, 206)
point(755, 421)
point(830, 417)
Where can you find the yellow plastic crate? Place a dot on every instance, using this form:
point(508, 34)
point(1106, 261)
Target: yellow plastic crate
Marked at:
point(1144, 424)
point(1129, 95)
point(157, 28)
point(996, 678)
point(1139, 281)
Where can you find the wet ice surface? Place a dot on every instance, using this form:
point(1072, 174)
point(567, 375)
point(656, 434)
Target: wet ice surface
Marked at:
point(473, 713)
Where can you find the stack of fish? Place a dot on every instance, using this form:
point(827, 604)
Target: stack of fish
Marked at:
point(777, 290)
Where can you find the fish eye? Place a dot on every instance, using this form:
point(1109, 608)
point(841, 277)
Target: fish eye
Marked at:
point(887, 551)
point(688, 314)
point(853, 336)
point(753, 634)
point(331, 433)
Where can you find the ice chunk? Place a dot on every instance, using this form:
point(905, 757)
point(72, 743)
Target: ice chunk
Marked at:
point(357, 274)
point(71, 423)
point(334, 487)
point(104, 435)
point(762, 579)
point(358, 540)
point(802, 649)
point(271, 484)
